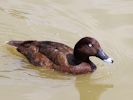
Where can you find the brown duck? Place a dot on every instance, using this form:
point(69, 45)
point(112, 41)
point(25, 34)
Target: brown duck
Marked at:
point(61, 57)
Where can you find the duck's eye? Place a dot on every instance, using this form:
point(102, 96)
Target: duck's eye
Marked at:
point(90, 45)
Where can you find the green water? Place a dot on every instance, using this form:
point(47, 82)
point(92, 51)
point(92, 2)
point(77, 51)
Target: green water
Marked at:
point(66, 21)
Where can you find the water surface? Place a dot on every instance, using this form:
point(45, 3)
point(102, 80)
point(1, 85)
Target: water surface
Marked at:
point(66, 21)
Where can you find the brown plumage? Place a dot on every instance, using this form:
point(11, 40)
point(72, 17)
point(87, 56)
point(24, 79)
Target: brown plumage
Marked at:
point(61, 57)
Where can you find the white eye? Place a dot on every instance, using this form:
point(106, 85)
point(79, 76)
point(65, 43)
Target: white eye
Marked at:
point(90, 45)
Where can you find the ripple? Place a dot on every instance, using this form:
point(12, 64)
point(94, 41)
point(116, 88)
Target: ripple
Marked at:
point(2, 76)
point(18, 13)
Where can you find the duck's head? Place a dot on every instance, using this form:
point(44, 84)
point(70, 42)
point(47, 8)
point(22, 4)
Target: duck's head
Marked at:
point(87, 47)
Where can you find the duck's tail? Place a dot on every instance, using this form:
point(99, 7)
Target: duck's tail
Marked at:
point(14, 43)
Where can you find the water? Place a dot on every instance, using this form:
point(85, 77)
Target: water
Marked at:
point(66, 21)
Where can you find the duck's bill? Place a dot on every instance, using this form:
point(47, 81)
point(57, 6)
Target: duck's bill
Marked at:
point(103, 56)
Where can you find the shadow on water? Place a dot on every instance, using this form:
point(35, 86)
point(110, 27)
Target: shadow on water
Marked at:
point(89, 89)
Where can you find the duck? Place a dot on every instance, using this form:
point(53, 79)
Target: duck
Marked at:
point(61, 57)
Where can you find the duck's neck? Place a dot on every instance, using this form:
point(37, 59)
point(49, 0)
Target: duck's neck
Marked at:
point(79, 58)
point(78, 61)
point(72, 60)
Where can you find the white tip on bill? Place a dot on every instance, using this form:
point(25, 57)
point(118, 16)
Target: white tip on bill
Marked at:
point(109, 60)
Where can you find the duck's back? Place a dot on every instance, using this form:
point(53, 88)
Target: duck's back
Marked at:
point(53, 52)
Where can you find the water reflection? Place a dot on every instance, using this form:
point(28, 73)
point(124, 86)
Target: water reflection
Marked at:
point(90, 89)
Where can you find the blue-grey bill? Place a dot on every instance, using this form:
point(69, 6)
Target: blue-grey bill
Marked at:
point(103, 56)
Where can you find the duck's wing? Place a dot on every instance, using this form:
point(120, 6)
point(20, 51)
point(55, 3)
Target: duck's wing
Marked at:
point(56, 52)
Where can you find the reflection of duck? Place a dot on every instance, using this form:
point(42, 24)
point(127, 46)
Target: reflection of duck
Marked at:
point(61, 57)
point(89, 89)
